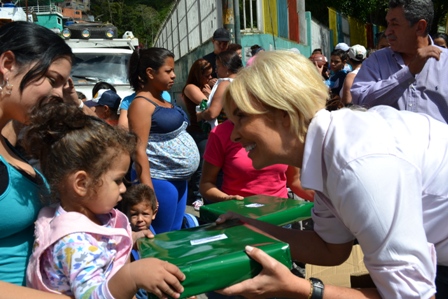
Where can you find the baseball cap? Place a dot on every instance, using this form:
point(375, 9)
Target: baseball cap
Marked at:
point(222, 35)
point(342, 46)
point(105, 97)
point(357, 53)
point(294, 50)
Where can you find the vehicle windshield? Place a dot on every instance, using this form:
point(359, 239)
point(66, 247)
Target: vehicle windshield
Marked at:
point(90, 68)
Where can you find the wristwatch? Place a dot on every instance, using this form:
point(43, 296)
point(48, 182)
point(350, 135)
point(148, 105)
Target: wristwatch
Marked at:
point(317, 287)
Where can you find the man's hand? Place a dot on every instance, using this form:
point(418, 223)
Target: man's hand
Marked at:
point(423, 54)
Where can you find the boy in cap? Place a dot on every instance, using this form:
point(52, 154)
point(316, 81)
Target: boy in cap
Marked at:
point(344, 47)
point(356, 55)
point(220, 40)
point(105, 105)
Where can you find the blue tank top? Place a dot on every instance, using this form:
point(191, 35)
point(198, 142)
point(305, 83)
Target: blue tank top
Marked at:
point(165, 120)
point(19, 205)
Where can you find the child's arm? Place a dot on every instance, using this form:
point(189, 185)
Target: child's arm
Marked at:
point(86, 265)
point(12, 291)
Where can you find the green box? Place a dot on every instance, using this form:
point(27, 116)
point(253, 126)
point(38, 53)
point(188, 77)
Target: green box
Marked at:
point(212, 256)
point(274, 210)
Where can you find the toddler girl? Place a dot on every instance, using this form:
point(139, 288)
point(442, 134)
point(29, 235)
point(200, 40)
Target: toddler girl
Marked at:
point(82, 244)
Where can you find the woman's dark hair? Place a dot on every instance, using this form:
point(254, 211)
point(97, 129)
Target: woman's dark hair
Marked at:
point(231, 60)
point(102, 85)
point(138, 194)
point(441, 35)
point(66, 140)
point(197, 71)
point(142, 59)
point(341, 53)
point(234, 47)
point(32, 43)
point(255, 49)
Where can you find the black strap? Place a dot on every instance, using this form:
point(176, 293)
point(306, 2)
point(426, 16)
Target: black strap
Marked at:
point(147, 100)
point(4, 178)
point(318, 288)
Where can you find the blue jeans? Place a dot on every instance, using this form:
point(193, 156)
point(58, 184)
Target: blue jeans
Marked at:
point(172, 197)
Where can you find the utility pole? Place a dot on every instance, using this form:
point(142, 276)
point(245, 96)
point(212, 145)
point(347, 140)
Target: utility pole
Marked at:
point(228, 17)
point(236, 8)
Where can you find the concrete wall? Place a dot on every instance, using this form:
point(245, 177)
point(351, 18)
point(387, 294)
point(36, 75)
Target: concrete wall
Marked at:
point(320, 38)
point(190, 25)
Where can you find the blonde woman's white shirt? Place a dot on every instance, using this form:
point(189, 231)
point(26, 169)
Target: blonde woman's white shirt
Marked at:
point(380, 177)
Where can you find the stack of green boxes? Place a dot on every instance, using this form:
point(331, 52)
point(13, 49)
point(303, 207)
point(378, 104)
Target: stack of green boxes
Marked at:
point(213, 256)
point(274, 210)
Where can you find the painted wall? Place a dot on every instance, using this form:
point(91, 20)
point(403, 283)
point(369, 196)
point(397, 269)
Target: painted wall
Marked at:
point(188, 30)
point(267, 41)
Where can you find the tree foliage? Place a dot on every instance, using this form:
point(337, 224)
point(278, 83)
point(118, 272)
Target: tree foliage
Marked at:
point(369, 11)
point(141, 17)
point(144, 17)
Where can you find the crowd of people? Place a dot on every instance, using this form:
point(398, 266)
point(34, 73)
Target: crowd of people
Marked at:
point(362, 133)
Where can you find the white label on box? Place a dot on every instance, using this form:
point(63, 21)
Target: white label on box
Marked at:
point(208, 240)
point(255, 205)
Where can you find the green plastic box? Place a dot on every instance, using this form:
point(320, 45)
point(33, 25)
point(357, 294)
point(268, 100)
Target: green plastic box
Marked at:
point(212, 256)
point(274, 210)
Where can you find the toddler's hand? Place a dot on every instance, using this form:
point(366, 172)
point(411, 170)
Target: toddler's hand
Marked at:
point(158, 277)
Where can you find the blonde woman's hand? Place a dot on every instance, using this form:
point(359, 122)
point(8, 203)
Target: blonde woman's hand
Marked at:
point(275, 280)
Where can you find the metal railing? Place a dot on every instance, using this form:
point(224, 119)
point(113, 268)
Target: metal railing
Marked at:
point(44, 9)
point(251, 14)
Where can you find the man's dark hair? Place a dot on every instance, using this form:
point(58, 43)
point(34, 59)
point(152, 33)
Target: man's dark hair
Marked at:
point(416, 10)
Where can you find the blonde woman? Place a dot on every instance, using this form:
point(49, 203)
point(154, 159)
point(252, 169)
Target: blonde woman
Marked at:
point(378, 175)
